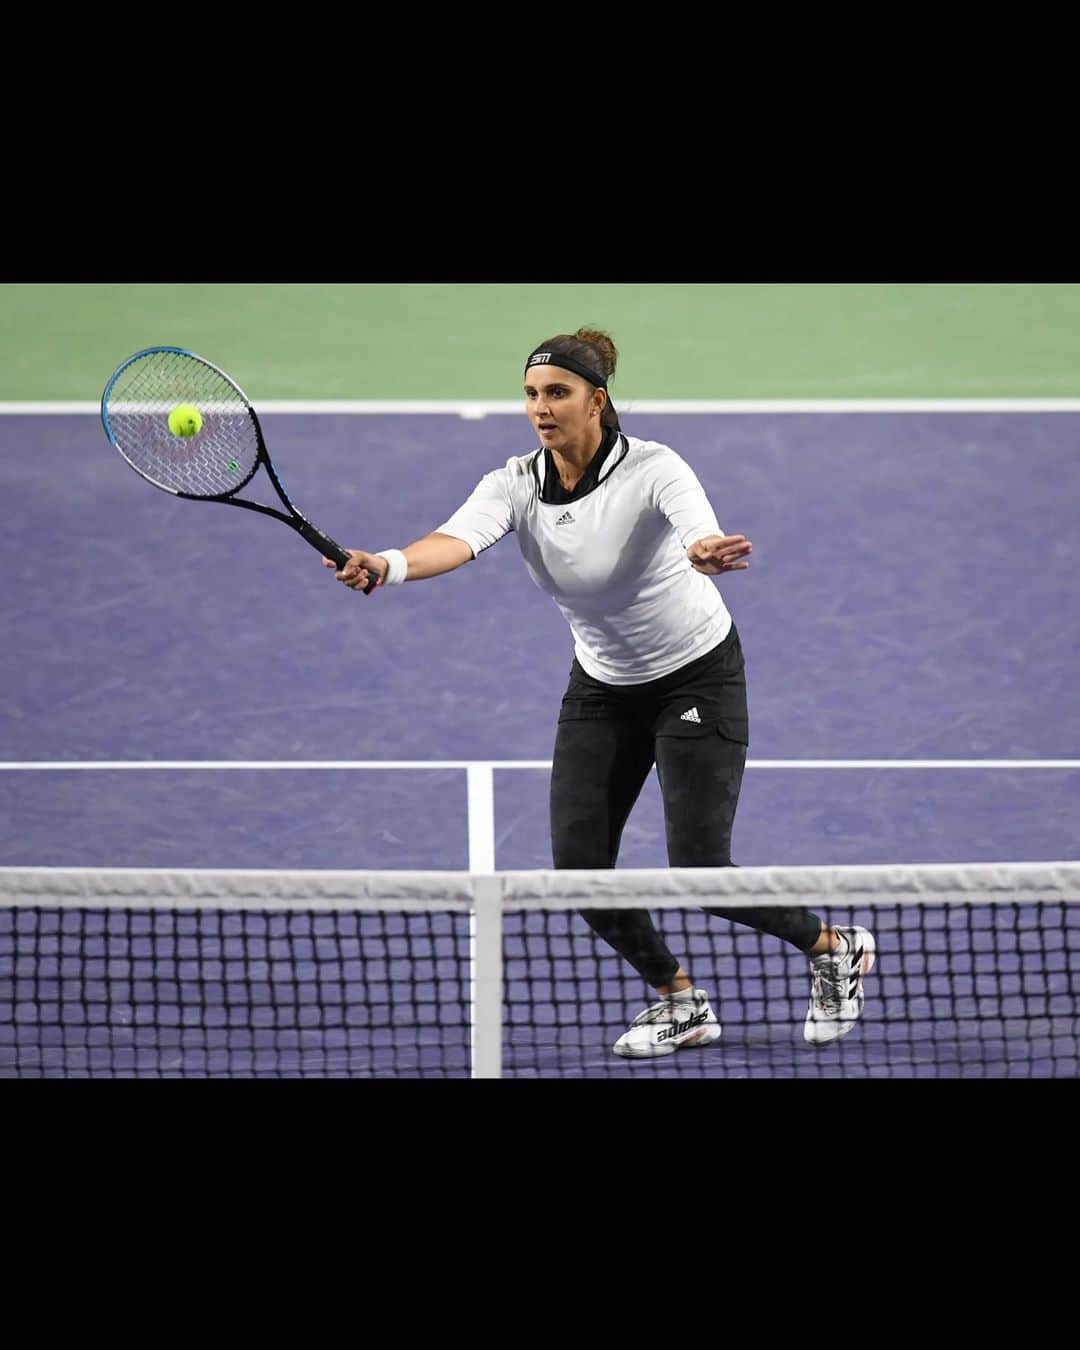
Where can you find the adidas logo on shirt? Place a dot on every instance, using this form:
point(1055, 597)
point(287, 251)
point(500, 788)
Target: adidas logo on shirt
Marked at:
point(565, 519)
point(691, 716)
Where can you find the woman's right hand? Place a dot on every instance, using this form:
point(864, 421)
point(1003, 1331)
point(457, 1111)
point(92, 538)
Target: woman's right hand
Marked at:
point(360, 569)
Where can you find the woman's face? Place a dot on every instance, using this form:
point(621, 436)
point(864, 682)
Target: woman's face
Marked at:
point(561, 406)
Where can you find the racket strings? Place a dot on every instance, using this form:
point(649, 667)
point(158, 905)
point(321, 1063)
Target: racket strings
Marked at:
point(218, 459)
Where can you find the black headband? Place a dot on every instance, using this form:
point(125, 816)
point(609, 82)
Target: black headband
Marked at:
point(566, 363)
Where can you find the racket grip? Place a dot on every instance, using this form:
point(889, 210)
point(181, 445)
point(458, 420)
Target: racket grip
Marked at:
point(328, 548)
point(322, 542)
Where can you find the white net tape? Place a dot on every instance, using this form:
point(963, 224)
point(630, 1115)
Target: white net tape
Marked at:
point(627, 888)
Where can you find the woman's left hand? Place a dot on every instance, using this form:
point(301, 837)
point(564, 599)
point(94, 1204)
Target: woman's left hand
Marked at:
point(719, 553)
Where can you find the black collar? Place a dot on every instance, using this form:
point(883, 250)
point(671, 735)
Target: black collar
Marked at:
point(552, 490)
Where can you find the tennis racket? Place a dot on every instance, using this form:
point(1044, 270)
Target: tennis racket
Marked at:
point(210, 464)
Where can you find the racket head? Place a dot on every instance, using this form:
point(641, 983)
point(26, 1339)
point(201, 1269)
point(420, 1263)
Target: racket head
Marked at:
point(215, 462)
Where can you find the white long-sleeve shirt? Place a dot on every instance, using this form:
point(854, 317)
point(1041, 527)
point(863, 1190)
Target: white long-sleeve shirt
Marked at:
point(613, 560)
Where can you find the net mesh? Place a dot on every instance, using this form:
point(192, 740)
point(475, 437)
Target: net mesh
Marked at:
point(218, 459)
point(119, 973)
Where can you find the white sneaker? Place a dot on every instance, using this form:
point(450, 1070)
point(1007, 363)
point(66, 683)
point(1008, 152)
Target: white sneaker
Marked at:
point(836, 992)
point(670, 1025)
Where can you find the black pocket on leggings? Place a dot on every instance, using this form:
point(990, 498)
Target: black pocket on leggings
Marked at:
point(716, 711)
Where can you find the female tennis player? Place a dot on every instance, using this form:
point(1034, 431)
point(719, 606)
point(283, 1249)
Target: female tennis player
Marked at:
point(619, 532)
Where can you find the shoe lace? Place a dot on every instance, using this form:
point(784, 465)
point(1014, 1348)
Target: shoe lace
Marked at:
point(664, 1011)
point(828, 984)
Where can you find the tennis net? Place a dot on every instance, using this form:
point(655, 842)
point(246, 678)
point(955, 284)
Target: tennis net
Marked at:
point(244, 974)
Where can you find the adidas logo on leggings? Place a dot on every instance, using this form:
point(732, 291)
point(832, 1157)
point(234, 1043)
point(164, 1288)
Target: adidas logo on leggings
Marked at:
point(691, 716)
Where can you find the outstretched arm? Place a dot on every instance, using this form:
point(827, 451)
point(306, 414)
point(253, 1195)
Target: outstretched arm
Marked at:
point(679, 495)
point(428, 557)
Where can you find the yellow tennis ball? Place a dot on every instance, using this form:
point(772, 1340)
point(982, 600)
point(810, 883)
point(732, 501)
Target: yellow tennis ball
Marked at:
point(185, 420)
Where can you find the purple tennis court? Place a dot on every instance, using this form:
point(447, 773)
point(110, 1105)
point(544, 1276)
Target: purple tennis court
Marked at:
point(911, 599)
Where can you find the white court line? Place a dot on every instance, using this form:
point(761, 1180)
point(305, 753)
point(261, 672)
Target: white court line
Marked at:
point(56, 765)
point(474, 409)
point(481, 817)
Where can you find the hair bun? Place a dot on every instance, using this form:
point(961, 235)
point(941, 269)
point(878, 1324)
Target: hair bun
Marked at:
point(603, 345)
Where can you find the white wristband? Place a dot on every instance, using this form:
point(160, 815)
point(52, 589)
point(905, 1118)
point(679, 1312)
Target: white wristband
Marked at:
point(397, 567)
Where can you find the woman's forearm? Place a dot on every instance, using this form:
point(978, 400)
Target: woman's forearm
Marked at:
point(434, 554)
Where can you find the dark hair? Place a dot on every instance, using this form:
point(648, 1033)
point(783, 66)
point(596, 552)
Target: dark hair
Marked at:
point(593, 349)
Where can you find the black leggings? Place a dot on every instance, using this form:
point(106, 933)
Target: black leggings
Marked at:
point(608, 739)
